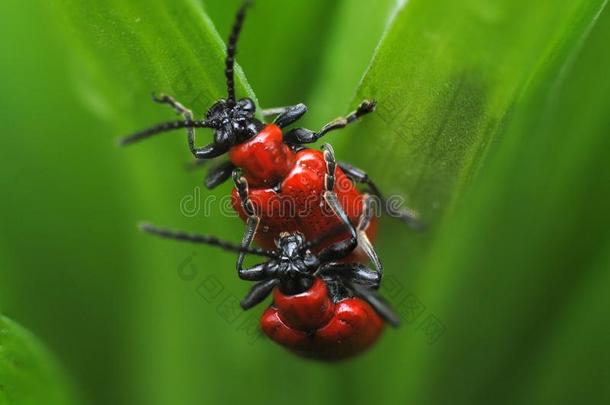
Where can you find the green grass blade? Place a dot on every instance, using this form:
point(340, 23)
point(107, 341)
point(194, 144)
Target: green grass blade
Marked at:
point(348, 51)
point(467, 128)
point(447, 76)
point(126, 50)
point(29, 375)
point(307, 51)
point(282, 44)
point(450, 78)
point(527, 242)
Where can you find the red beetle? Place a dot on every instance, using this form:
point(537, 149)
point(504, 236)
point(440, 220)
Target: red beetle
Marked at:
point(286, 183)
point(332, 328)
point(323, 307)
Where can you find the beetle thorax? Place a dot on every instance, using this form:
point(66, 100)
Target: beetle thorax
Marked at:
point(265, 159)
point(296, 264)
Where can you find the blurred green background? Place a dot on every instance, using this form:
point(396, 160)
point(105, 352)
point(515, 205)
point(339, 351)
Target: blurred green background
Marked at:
point(493, 121)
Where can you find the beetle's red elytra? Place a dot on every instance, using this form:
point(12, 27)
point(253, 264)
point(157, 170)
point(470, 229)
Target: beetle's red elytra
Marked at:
point(286, 188)
point(311, 325)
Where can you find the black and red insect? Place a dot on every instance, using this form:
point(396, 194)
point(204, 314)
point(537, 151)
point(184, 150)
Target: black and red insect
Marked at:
point(323, 308)
point(274, 167)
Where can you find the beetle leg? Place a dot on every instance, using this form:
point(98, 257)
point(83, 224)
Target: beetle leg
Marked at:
point(329, 186)
point(269, 112)
point(253, 220)
point(303, 135)
point(182, 110)
point(255, 273)
point(258, 293)
point(353, 272)
point(206, 152)
point(177, 106)
point(286, 115)
point(219, 174)
point(360, 176)
point(338, 251)
point(363, 239)
point(343, 248)
point(331, 198)
point(379, 304)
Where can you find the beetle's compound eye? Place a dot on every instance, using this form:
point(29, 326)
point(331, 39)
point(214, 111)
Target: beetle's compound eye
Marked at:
point(247, 105)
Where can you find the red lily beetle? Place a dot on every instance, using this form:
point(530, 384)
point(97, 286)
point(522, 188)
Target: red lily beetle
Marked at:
point(323, 307)
point(287, 183)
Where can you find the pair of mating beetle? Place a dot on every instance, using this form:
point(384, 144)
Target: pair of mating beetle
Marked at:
point(325, 304)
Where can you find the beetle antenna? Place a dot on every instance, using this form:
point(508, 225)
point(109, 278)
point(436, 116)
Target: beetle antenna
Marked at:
point(203, 239)
point(232, 50)
point(165, 127)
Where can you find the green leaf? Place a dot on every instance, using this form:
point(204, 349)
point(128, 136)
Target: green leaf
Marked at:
point(469, 94)
point(348, 51)
point(281, 62)
point(526, 251)
point(447, 75)
point(126, 50)
point(510, 273)
point(29, 375)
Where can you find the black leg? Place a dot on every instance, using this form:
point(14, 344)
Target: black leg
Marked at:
point(338, 251)
point(342, 249)
point(356, 273)
point(207, 152)
point(379, 304)
point(367, 213)
point(329, 194)
point(219, 174)
point(203, 239)
point(253, 220)
point(360, 176)
point(270, 112)
point(363, 239)
point(333, 202)
point(286, 115)
point(178, 107)
point(302, 135)
point(181, 110)
point(258, 293)
point(255, 273)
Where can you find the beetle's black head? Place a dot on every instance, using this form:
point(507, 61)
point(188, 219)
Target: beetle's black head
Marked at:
point(291, 245)
point(296, 264)
point(233, 122)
